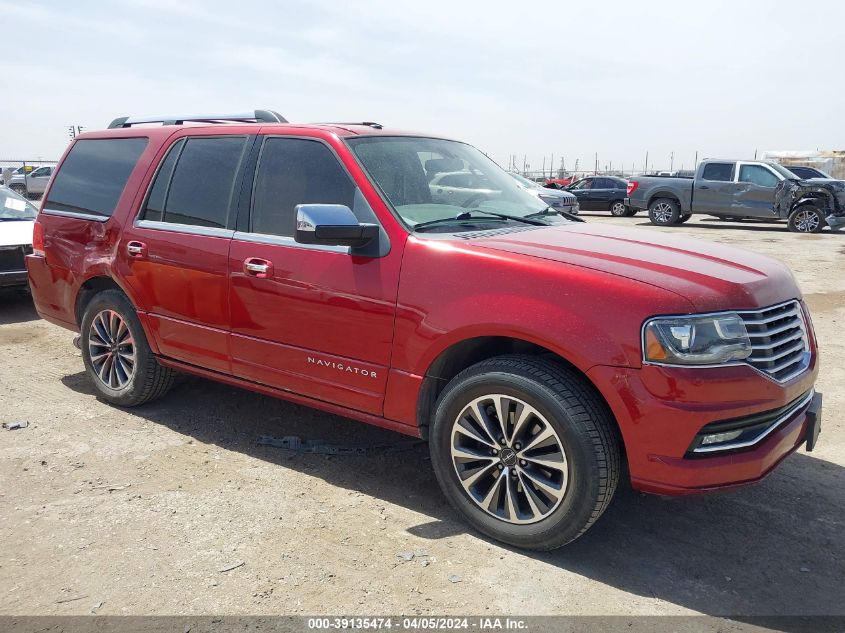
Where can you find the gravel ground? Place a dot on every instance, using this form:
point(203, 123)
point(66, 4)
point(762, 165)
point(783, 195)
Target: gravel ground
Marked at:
point(173, 508)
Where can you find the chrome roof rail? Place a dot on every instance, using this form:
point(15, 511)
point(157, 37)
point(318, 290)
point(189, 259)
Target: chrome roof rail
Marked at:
point(256, 116)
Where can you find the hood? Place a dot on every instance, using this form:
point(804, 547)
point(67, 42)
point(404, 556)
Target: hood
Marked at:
point(16, 232)
point(557, 194)
point(711, 276)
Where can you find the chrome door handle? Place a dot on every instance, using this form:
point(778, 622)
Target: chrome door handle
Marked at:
point(136, 249)
point(257, 268)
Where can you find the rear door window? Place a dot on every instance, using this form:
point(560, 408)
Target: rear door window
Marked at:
point(196, 181)
point(718, 171)
point(92, 177)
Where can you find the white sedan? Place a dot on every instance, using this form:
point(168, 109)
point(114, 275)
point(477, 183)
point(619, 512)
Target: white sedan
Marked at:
point(17, 217)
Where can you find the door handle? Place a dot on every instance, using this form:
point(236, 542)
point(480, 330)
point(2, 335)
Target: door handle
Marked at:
point(257, 267)
point(703, 187)
point(136, 249)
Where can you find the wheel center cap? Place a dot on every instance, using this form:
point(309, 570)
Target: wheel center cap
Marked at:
point(508, 457)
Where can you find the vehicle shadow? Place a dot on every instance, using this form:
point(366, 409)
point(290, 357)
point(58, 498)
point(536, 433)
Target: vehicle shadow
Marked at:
point(770, 549)
point(16, 306)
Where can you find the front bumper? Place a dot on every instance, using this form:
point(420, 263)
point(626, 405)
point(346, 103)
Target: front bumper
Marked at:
point(661, 411)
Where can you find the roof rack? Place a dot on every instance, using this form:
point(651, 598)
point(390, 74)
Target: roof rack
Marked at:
point(256, 116)
point(372, 124)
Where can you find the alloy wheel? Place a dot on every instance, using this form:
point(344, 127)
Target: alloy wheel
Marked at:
point(662, 212)
point(806, 221)
point(111, 348)
point(618, 209)
point(509, 459)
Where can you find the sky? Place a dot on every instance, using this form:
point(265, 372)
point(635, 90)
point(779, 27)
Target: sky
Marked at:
point(530, 79)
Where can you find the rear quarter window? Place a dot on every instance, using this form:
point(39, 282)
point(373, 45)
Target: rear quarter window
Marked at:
point(92, 177)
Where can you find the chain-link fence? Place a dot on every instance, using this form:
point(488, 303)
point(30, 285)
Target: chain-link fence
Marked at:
point(28, 177)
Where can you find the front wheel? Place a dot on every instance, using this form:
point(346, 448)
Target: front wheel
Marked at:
point(806, 219)
point(525, 450)
point(116, 354)
point(664, 212)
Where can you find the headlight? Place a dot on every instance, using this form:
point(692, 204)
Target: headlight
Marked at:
point(696, 340)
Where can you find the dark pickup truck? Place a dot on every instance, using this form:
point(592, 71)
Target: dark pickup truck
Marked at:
point(739, 189)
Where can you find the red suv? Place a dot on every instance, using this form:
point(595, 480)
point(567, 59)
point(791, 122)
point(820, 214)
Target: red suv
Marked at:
point(541, 357)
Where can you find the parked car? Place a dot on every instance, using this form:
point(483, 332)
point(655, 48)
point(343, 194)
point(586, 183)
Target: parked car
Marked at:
point(32, 184)
point(806, 173)
point(741, 189)
point(560, 201)
point(17, 217)
point(558, 183)
point(8, 172)
point(602, 193)
point(534, 353)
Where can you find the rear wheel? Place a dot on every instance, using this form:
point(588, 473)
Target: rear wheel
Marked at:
point(806, 219)
point(116, 354)
point(525, 451)
point(618, 209)
point(664, 212)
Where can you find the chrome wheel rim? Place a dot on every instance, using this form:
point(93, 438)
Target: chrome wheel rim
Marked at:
point(806, 221)
point(111, 348)
point(509, 459)
point(662, 212)
point(617, 209)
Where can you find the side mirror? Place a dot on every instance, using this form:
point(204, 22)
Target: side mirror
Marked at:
point(331, 225)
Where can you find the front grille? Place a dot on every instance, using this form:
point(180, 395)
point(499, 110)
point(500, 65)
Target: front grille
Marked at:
point(11, 257)
point(779, 344)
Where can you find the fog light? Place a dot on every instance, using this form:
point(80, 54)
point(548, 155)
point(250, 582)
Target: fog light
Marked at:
point(718, 438)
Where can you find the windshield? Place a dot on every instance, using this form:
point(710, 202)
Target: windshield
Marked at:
point(13, 207)
point(427, 179)
point(783, 171)
point(530, 184)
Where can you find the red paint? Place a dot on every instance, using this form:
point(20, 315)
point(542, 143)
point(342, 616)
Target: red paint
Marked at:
point(357, 336)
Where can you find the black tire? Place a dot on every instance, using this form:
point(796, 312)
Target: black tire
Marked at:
point(684, 217)
point(582, 423)
point(618, 209)
point(664, 212)
point(807, 218)
point(148, 379)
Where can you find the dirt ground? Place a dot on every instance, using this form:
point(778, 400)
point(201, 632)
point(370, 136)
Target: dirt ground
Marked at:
point(141, 511)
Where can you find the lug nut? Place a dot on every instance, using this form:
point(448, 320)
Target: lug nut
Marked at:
point(494, 452)
point(522, 462)
point(502, 441)
point(500, 466)
point(517, 446)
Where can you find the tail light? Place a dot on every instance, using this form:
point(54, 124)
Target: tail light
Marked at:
point(632, 186)
point(38, 239)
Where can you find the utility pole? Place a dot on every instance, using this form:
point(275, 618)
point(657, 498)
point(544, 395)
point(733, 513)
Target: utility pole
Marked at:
point(597, 163)
point(74, 130)
point(646, 162)
point(671, 161)
point(696, 160)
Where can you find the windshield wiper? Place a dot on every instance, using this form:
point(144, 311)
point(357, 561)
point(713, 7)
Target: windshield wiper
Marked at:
point(465, 216)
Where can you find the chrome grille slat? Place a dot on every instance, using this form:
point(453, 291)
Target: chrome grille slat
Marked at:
point(791, 350)
point(772, 332)
point(793, 337)
point(784, 315)
point(779, 346)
